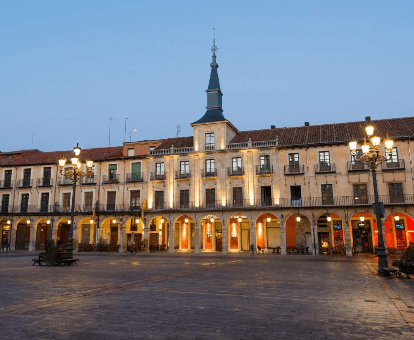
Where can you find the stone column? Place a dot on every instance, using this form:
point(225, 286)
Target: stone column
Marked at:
point(197, 237)
point(282, 238)
point(32, 240)
point(314, 235)
point(348, 245)
point(13, 232)
point(146, 237)
point(224, 237)
point(253, 236)
point(170, 237)
point(122, 239)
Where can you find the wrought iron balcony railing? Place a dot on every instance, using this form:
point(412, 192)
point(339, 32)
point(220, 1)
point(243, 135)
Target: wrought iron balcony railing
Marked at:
point(110, 178)
point(24, 183)
point(135, 177)
point(264, 169)
point(44, 182)
point(397, 164)
point(7, 184)
point(158, 176)
point(357, 166)
point(179, 174)
point(209, 173)
point(294, 169)
point(235, 171)
point(65, 181)
point(88, 180)
point(325, 168)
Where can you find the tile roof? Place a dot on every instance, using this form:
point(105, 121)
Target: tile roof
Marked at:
point(397, 128)
point(178, 142)
point(39, 157)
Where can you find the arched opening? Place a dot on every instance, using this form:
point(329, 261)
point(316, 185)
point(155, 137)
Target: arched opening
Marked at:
point(5, 229)
point(158, 233)
point(267, 232)
point(299, 235)
point(62, 235)
point(134, 229)
point(364, 232)
point(86, 234)
point(110, 236)
point(211, 234)
point(43, 233)
point(184, 233)
point(22, 234)
point(399, 231)
point(238, 234)
point(330, 234)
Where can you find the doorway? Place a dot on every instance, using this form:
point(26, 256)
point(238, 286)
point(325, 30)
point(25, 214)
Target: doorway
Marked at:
point(114, 236)
point(323, 241)
point(361, 234)
point(245, 241)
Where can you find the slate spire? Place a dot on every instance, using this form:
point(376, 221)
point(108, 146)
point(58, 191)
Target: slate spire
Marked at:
point(214, 111)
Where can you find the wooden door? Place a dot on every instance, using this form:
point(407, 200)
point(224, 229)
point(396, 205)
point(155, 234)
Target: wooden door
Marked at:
point(245, 239)
point(86, 233)
point(114, 236)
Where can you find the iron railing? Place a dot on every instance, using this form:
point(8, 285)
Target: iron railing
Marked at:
point(88, 180)
point(110, 178)
point(294, 169)
point(65, 181)
point(158, 176)
point(357, 166)
point(264, 169)
point(397, 164)
point(7, 184)
point(208, 173)
point(325, 168)
point(135, 177)
point(235, 171)
point(179, 174)
point(24, 183)
point(44, 182)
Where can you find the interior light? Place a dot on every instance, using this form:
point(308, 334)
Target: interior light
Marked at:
point(369, 130)
point(162, 220)
point(137, 220)
point(397, 218)
point(329, 218)
point(212, 220)
point(91, 221)
point(186, 220)
point(48, 222)
point(362, 218)
point(268, 219)
point(69, 221)
point(297, 218)
point(28, 222)
point(113, 221)
point(8, 222)
point(239, 219)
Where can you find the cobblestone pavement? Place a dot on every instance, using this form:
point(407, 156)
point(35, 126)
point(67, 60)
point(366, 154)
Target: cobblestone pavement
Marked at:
point(135, 296)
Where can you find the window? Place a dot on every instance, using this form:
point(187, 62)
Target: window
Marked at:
point(110, 200)
point(210, 167)
point(87, 200)
point(266, 195)
point(237, 197)
point(356, 165)
point(324, 157)
point(327, 194)
point(184, 198)
point(360, 194)
point(265, 162)
point(159, 199)
point(135, 199)
point(5, 203)
point(112, 172)
point(209, 139)
point(294, 162)
point(393, 157)
point(24, 203)
point(396, 192)
point(296, 195)
point(184, 168)
point(210, 198)
point(159, 169)
point(66, 201)
point(7, 178)
point(136, 175)
point(47, 174)
point(27, 174)
point(44, 202)
point(236, 164)
point(131, 152)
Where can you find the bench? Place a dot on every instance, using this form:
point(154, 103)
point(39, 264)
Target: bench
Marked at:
point(39, 260)
point(66, 259)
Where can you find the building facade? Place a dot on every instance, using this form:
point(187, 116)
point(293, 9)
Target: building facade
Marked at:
point(220, 190)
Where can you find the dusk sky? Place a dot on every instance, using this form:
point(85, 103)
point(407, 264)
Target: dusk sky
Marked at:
point(67, 67)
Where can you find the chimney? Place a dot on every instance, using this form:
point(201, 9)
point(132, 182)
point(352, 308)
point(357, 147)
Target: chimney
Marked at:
point(368, 118)
point(273, 126)
point(306, 123)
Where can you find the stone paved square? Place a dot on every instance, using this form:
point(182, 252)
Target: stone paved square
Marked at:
point(130, 296)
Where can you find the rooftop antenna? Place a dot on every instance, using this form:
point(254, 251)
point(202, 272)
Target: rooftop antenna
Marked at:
point(32, 140)
point(110, 121)
point(178, 129)
point(131, 132)
point(214, 48)
point(125, 129)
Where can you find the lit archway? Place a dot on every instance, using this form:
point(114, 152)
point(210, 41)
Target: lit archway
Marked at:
point(211, 234)
point(22, 239)
point(158, 233)
point(399, 230)
point(5, 232)
point(364, 232)
point(267, 232)
point(43, 233)
point(184, 233)
point(330, 234)
point(238, 233)
point(298, 234)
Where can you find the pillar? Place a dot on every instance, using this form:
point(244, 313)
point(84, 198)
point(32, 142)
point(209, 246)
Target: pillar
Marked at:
point(282, 238)
point(253, 236)
point(13, 232)
point(32, 239)
point(170, 237)
point(224, 237)
point(314, 235)
point(146, 237)
point(197, 237)
point(122, 238)
point(348, 245)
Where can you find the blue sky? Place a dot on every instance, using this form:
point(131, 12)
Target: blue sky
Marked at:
point(66, 67)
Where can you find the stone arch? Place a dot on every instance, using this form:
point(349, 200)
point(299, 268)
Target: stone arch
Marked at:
point(238, 233)
point(399, 230)
point(61, 232)
point(364, 232)
point(299, 232)
point(109, 231)
point(184, 233)
point(158, 232)
point(5, 232)
point(330, 232)
point(211, 233)
point(21, 234)
point(42, 232)
point(268, 234)
point(86, 232)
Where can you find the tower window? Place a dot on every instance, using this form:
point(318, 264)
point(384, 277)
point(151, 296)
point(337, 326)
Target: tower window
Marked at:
point(209, 139)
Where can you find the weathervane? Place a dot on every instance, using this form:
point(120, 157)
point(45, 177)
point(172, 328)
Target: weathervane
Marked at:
point(214, 48)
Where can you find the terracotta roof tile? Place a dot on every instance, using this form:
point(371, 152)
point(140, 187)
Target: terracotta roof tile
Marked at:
point(178, 142)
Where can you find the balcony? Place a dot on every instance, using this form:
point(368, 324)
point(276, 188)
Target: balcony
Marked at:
point(182, 174)
point(209, 148)
point(264, 170)
point(111, 178)
point(65, 181)
point(235, 171)
point(135, 177)
point(392, 165)
point(357, 166)
point(212, 173)
point(24, 183)
point(88, 180)
point(294, 169)
point(4, 209)
point(7, 184)
point(44, 182)
point(323, 168)
point(158, 176)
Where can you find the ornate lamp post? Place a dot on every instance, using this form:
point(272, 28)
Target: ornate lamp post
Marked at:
point(75, 174)
point(372, 158)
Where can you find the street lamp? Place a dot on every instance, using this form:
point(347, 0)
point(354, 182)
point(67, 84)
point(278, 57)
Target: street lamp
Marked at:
point(75, 174)
point(372, 158)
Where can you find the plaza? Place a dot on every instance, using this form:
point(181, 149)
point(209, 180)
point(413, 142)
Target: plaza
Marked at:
point(206, 296)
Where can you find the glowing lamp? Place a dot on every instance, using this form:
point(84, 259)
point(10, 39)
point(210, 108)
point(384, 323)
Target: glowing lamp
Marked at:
point(297, 218)
point(397, 218)
point(62, 161)
point(69, 221)
point(89, 163)
point(329, 218)
point(389, 143)
point(91, 221)
point(186, 220)
point(369, 130)
point(353, 145)
point(365, 148)
point(162, 220)
point(74, 160)
point(113, 221)
point(212, 220)
point(376, 141)
point(362, 218)
point(76, 150)
point(28, 222)
point(137, 220)
point(268, 219)
point(48, 222)
point(8, 222)
point(239, 219)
